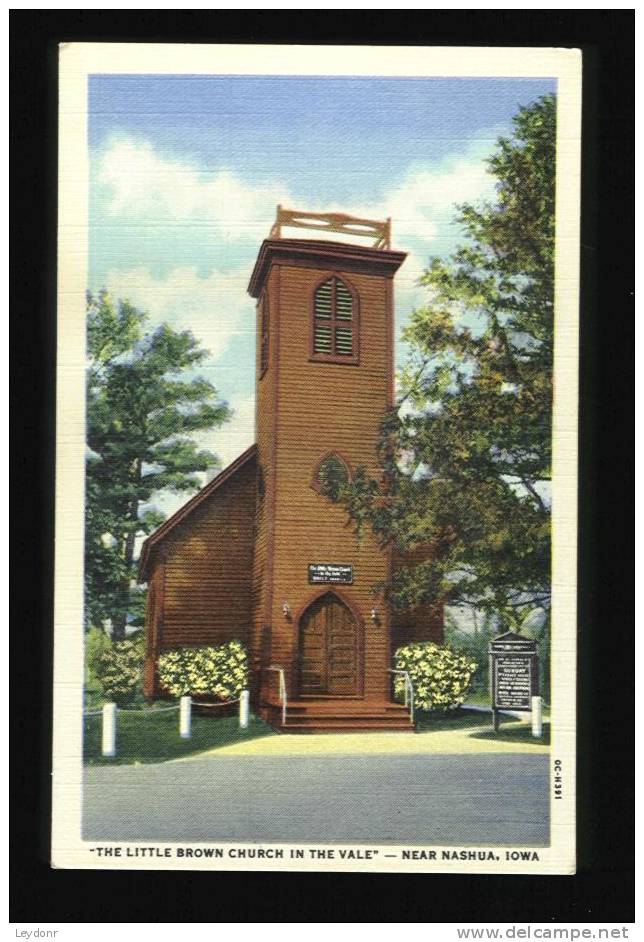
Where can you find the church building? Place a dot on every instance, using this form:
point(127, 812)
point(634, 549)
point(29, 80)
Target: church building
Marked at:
point(260, 554)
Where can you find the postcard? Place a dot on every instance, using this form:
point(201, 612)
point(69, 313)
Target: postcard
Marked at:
point(315, 601)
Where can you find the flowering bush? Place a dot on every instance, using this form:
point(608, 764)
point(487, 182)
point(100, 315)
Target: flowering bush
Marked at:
point(440, 675)
point(119, 670)
point(221, 672)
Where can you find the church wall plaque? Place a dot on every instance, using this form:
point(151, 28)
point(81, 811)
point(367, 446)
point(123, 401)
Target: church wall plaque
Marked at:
point(330, 574)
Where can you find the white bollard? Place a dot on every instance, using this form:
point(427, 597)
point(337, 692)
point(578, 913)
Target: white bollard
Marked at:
point(244, 698)
point(537, 721)
point(109, 729)
point(185, 717)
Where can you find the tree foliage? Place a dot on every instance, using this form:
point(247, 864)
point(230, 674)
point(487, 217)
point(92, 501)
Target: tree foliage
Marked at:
point(466, 455)
point(143, 406)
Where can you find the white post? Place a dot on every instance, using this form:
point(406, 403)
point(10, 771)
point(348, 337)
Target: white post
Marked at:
point(109, 729)
point(244, 698)
point(537, 722)
point(185, 717)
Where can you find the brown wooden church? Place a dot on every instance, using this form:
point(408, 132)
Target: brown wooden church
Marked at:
point(260, 554)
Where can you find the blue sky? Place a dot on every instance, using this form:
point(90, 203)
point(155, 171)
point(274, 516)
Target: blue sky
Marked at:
point(186, 171)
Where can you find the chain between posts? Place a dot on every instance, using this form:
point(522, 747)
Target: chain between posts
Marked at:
point(110, 713)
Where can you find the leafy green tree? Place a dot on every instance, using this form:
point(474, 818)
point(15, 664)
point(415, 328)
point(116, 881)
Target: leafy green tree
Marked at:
point(143, 406)
point(470, 631)
point(466, 454)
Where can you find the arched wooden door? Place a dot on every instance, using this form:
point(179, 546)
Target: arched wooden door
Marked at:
point(329, 649)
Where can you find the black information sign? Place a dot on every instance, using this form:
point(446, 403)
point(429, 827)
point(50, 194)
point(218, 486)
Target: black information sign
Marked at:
point(514, 672)
point(330, 574)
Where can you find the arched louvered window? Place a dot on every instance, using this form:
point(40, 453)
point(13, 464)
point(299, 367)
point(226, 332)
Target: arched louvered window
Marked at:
point(335, 323)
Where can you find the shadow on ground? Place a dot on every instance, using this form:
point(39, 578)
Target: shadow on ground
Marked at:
point(514, 733)
point(511, 729)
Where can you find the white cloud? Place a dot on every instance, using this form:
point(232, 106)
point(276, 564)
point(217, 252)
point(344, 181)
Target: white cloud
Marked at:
point(422, 204)
point(426, 198)
point(142, 184)
point(409, 294)
point(234, 437)
point(214, 308)
point(146, 185)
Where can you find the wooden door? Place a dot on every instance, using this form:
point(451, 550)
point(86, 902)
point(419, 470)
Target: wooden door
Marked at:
point(329, 651)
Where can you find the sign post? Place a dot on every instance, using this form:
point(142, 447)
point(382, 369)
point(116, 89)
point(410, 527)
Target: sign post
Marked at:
point(108, 745)
point(244, 699)
point(537, 721)
point(185, 718)
point(514, 674)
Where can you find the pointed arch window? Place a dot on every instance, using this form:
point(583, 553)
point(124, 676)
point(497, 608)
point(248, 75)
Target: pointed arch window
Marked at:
point(330, 473)
point(334, 328)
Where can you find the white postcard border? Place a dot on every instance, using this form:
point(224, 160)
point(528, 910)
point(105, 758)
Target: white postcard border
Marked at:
point(77, 62)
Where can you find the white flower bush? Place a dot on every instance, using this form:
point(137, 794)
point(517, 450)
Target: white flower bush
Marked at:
point(440, 676)
point(220, 672)
point(119, 669)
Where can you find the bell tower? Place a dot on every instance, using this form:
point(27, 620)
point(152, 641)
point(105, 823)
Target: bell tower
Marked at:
point(324, 379)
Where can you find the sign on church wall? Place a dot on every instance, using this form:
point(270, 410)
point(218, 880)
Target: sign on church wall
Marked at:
point(330, 574)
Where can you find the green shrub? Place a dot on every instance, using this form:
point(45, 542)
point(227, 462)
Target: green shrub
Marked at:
point(97, 642)
point(119, 670)
point(440, 676)
point(221, 672)
point(474, 645)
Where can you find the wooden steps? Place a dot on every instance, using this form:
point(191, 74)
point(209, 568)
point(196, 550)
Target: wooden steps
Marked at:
point(334, 715)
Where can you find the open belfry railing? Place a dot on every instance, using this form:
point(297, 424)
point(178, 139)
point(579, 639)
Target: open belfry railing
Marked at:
point(337, 223)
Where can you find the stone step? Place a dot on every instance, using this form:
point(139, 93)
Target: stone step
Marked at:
point(347, 726)
point(347, 711)
point(340, 706)
point(397, 719)
point(339, 715)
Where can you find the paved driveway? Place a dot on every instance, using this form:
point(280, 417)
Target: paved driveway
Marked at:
point(438, 799)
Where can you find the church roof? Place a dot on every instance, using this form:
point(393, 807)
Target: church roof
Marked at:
point(318, 253)
point(189, 507)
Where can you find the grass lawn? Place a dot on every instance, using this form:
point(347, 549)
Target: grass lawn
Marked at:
point(478, 727)
point(462, 733)
point(146, 737)
point(155, 738)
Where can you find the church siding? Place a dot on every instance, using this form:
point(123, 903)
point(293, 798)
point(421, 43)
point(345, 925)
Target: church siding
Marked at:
point(235, 565)
point(261, 635)
point(153, 625)
point(207, 566)
point(325, 406)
